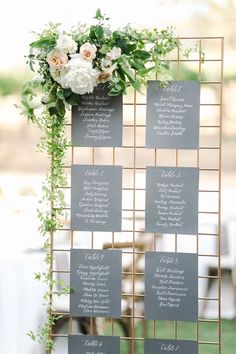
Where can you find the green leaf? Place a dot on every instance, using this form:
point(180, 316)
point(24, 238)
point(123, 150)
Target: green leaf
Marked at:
point(130, 47)
point(136, 85)
point(129, 73)
point(98, 15)
point(44, 42)
point(99, 33)
point(141, 54)
point(51, 104)
point(52, 111)
point(60, 95)
point(74, 99)
point(117, 87)
point(104, 49)
point(37, 276)
point(146, 71)
point(122, 44)
point(61, 108)
point(31, 335)
point(121, 73)
point(67, 92)
point(114, 92)
point(92, 34)
point(136, 63)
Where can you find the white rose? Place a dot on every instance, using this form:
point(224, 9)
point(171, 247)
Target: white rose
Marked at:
point(88, 51)
point(66, 44)
point(35, 102)
point(114, 54)
point(79, 75)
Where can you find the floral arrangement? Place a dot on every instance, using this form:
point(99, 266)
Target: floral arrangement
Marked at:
point(72, 64)
point(68, 65)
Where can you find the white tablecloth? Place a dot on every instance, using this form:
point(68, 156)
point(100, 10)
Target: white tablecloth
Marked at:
point(20, 302)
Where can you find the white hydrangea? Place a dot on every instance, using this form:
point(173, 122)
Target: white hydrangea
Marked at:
point(66, 44)
point(79, 75)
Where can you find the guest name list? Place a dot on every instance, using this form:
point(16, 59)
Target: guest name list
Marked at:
point(97, 121)
point(171, 289)
point(95, 283)
point(172, 200)
point(173, 115)
point(96, 198)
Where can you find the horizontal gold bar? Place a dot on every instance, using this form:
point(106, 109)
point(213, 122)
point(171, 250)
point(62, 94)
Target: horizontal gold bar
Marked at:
point(193, 60)
point(211, 343)
point(204, 37)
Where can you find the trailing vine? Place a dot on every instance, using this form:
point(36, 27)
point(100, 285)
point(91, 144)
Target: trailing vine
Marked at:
point(69, 65)
point(54, 144)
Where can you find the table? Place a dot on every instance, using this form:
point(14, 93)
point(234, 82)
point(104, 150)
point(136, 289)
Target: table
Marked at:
point(20, 301)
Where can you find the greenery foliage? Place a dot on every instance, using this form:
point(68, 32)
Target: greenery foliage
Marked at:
point(127, 56)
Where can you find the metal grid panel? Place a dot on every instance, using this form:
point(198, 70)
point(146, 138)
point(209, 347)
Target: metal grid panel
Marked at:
point(132, 240)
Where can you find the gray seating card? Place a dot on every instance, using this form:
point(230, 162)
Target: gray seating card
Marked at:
point(96, 198)
point(173, 115)
point(95, 282)
point(81, 344)
point(172, 200)
point(97, 121)
point(163, 346)
point(171, 286)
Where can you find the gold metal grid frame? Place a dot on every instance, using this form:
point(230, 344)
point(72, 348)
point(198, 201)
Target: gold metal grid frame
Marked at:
point(134, 157)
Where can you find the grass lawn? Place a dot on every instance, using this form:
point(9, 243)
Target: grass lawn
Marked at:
point(208, 332)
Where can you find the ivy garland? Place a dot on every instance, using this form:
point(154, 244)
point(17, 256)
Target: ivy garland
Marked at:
point(69, 65)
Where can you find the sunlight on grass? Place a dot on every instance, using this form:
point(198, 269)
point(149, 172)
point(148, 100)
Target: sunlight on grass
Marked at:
point(208, 332)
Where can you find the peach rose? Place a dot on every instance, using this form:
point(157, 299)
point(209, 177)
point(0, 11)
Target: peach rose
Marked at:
point(88, 51)
point(56, 59)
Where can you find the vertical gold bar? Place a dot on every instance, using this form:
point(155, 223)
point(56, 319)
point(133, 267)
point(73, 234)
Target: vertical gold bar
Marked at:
point(198, 159)
point(51, 253)
point(93, 163)
point(113, 235)
point(71, 239)
point(92, 320)
point(219, 201)
point(155, 242)
point(133, 248)
point(177, 164)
